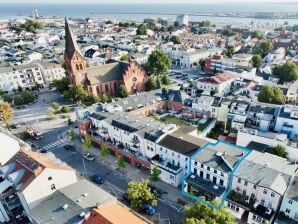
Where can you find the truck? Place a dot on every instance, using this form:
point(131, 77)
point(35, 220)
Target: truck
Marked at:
point(33, 132)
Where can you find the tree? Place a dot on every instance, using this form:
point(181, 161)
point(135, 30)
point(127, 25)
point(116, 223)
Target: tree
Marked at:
point(142, 30)
point(256, 34)
point(140, 195)
point(18, 100)
point(121, 163)
point(64, 109)
point(27, 96)
point(230, 51)
point(124, 57)
point(270, 94)
point(278, 150)
point(109, 22)
point(256, 61)
point(75, 93)
point(150, 84)
point(176, 24)
point(263, 49)
point(165, 80)
point(204, 214)
point(7, 98)
point(175, 39)
point(104, 151)
point(87, 143)
point(228, 32)
point(213, 92)
point(155, 174)
point(72, 135)
point(122, 91)
point(55, 105)
point(60, 85)
point(171, 28)
point(287, 72)
point(51, 113)
point(202, 63)
point(5, 113)
point(158, 63)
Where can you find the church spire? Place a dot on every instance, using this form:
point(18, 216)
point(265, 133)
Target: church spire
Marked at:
point(71, 45)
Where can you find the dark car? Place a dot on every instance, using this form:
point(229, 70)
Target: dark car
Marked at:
point(154, 190)
point(70, 147)
point(125, 197)
point(97, 179)
point(43, 151)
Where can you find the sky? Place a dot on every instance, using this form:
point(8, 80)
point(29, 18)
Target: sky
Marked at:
point(142, 1)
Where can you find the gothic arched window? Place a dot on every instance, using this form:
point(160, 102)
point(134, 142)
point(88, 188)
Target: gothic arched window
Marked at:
point(81, 66)
point(107, 87)
point(77, 67)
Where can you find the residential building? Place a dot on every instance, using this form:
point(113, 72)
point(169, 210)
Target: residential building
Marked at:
point(220, 84)
point(182, 20)
point(258, 187)
point(237, 115)
point(52, 71)
point(287, 121)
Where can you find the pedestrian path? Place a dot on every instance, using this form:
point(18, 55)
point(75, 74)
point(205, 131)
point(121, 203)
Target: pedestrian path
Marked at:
point(53, 145)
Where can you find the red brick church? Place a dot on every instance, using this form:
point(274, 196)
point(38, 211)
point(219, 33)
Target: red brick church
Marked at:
point(103, 79)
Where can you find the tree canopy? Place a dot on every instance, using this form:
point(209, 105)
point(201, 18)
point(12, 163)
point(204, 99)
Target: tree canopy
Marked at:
point(165, 80)
point(150, 84)
point(142, 30)
point(75, 93)
point(256, 61)
point(278, 150)
point(124, 57)
point(228, 32)
point(158, 63)
point(155, 174)
point(87, 143)
point(256, 34)
point(140, 195)
point(122, 91)
point(264, 48)
point(29, 26)
point(60, 85)
point(203, 214)
point(230, 51)
point(270, 94)
point(5, 113)
point(287, 72)
point(175, 39)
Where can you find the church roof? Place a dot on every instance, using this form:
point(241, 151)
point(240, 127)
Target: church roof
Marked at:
point(71, 45)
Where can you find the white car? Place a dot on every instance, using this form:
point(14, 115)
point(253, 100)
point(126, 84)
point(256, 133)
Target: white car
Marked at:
point(88, 156)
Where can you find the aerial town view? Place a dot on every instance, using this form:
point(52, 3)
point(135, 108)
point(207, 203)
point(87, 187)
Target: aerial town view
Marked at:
point(149, 112)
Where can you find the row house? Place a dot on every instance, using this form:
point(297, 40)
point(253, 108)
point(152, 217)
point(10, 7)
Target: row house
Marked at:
point(258, 187)
point(211, 170)
point(173, 153)
point(52, 71)
point(237, 115)
point(25, 76)
point(287, 121)
point(205, 106)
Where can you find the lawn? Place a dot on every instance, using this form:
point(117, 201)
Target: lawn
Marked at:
point(202, 126)
point(172, 119)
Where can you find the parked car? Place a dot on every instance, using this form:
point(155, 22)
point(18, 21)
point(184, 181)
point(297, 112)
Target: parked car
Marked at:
point(154, 190)
point(125, 197)
point(70, 147)
point(97, 179)
point(149, 210)
point(88, 156)
point(43, 151)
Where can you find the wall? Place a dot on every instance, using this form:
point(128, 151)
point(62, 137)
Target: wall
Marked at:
point(292, 207)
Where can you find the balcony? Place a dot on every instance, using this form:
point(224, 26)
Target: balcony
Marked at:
point(166, 165)
point(243, 200)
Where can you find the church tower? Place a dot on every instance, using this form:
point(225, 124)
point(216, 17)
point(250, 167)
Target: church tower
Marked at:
point(74, 61)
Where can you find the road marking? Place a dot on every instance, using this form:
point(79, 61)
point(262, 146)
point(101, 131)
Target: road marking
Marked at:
point(52, 145)
point(172, 205)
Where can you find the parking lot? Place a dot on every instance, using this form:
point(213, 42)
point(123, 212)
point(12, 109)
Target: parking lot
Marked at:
point(182, 76)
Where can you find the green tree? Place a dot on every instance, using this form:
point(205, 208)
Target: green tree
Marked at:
point(256, 61)
point(124, 57)
point(213, 92)
point(18, 100)
point(155, 174)
point(140, 194)
point(122, 91)
point(176, 24)
point(230, 51)
point(171, 28)
point(72, 135)
point(150, 84)
point(104, 151)
point(202, 63)
point(175, 39)
point(228, 32)
point(278, 150)
point(263, 49)
point(158, 63)
point(75, 93)
point(64, 109)
point(121, 163)
point(142, 30)
point(109, 22)
point(55, 105)
point(51, 113)
point(287, 72)
point(5, 113)
point(27, 96)
point(60, 85)
point(87, 143)
point(7, 98)
point(270, 94)
point(165, 80)
point(201, 213)
point(256, 34)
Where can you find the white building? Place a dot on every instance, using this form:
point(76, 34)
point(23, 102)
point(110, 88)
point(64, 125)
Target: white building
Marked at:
point(182, 20)
point(287, 122)
point(52, 71)
point(220, 84)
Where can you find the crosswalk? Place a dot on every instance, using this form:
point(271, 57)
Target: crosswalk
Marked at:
point(53, 145)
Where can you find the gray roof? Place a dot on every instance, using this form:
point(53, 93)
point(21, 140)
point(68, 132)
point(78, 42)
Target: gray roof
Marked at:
point(51, 210)
point(267, 170)
point(220, 156)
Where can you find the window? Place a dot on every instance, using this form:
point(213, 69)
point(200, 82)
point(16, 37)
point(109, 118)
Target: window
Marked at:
point(221, 182)
point(255, 187)
point(186, 158)
point(173, 154)
point(215, 171)
point(77, 67)
point(262, 202)
point(160, 149)
point(265, 191)
point(290, 202)
point(208, 168)
point(53, 187)
point(172, 177)
point(245, 183)
point(178, 156)
point(208, 176)
point(239, 180)
point(202, 165)
point(50, 178)
point(272, 194)
point(196, 163)
point(81, 67)
point(288, 210)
